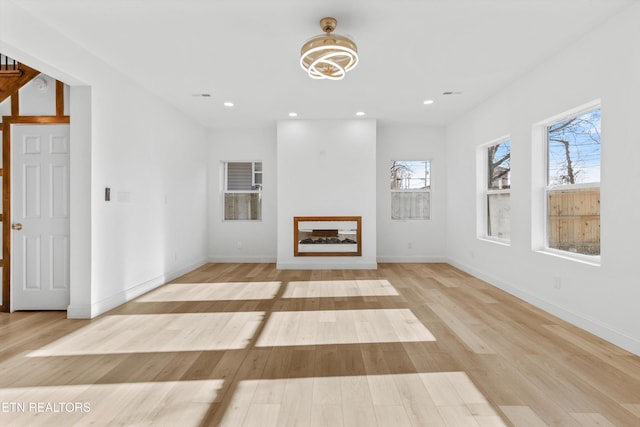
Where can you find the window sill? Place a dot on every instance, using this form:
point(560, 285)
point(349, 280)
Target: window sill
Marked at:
point(592, 260)
point(501, 242)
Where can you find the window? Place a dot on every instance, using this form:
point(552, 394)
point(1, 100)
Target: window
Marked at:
point(410, 189)
point(243, 190)
point(572, 191)
point(497, 189)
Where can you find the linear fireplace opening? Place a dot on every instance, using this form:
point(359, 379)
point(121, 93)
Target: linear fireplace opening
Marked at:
point(327, 236)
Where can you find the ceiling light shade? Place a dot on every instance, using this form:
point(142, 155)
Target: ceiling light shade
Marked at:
point(328, 56)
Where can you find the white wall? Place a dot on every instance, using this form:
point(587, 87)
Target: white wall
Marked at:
point(326, 168)
point(602, 299)
point(5, 107)
point(255, 241)
point(151, 156)
point(242, 241)
point(155, 164)
point(411, 240)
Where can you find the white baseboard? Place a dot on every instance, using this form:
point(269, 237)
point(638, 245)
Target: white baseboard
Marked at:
point(79, 311)
point(89, 311)
point(412, 259)
point(584, 322)
point(243, 259)
point(327, 266)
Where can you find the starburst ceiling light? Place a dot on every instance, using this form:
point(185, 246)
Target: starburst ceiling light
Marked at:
point(328, 56)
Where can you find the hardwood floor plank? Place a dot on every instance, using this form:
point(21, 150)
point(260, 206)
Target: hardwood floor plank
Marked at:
point(634, 408)
point(327, 415)
point(358, 414)
point(523, 416)
point(464, 333)
point(392, 415)
point(420, 409)
point(271, 386)
point(262, 415)
point(591, 419)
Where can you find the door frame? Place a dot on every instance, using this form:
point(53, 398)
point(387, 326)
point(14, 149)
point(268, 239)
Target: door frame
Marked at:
point(5, 173)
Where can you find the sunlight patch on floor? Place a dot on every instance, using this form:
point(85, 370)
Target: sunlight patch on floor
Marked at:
point(339, 288)
point(342, 327)
point(232, 291)
point(144, 333)
point(440, 398)
point(180, 403)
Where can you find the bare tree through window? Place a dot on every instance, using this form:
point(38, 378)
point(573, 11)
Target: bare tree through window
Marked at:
point(410, 183)
point(574, 150)
point(573, 184)
point(499, 157)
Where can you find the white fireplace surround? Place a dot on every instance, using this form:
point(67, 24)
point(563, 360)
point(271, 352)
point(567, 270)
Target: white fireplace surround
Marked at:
point(326, 168)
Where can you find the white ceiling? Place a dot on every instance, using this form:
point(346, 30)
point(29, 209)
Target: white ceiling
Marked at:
point(247, 52)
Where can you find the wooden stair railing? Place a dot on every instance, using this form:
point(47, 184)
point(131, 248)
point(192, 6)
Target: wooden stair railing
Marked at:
point(13, 75)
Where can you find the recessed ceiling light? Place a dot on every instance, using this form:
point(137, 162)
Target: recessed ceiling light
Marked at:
point(292, 114)
point(228, 104)
point(428, 102)
point(360, 113)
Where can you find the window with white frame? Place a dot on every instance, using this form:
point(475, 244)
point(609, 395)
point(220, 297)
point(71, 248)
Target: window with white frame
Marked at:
point(497, 189)
point(572, 192)
point(242, 191)
point(410, 189)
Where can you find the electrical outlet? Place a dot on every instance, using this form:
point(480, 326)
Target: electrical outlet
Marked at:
point(557, 283)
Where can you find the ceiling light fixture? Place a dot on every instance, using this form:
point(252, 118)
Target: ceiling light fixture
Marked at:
point(428, 102)
point(328, 56)
point(360, 113)
point(228, 104)
point(293, 114)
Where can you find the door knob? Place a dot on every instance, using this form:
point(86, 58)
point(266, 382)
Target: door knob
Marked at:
point(16, 226)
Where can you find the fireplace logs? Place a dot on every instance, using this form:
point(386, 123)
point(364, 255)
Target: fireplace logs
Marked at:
point(327, 236)
point(331, 240)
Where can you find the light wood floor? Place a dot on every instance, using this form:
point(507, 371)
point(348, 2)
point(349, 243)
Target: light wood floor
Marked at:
point(248, 345)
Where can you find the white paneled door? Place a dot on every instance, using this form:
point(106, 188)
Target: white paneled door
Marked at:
point(40, 217)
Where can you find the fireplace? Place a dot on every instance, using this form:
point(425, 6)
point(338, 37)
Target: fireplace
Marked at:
point(327, 236)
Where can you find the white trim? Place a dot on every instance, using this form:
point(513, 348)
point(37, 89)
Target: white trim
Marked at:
point(89, 311)
point(501, 191)
point(586, 323)
point(411, 259)
point(254, 172)
point(566, 187)
point(427, 189)
point(225, 190)
point(243, 259)
point(327, 266)
point(489, 239)
point(593, 260)
point(541, 188)
point(80, 311)
point(483, 191)
point(574, 112)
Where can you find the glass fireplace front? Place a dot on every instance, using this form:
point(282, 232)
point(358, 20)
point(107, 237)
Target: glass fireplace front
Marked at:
point(327, 236)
